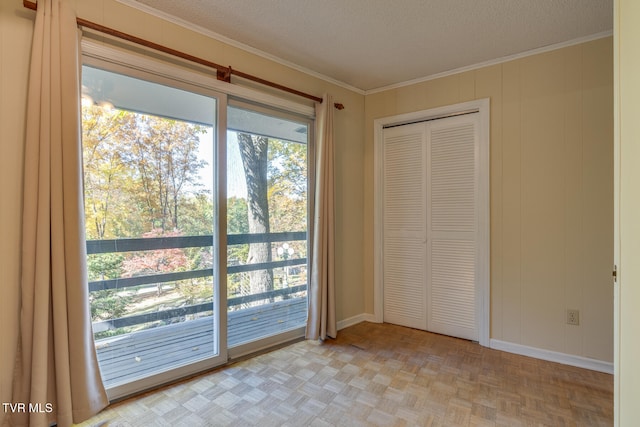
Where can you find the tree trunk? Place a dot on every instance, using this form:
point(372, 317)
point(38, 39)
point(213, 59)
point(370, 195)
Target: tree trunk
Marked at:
point(253, 150)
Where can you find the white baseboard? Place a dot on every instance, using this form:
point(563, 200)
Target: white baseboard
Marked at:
point(553, 356)
point(354, 320)
point(523, 350)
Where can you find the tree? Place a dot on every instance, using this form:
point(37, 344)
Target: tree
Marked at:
point(104, 176)
point(254, 154)
point(288, 185)
point(139, 171)
point(105, 173)
point(109, 303)
point(196, 214)
point(276, 178)
point(237, 216)
point(141, 179)
point(237, 223)
point(157, 261)
point(164, 154)
point(288, 190)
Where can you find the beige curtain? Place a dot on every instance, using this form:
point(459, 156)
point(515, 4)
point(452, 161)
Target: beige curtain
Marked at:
point(321, 321)
point(56, 368)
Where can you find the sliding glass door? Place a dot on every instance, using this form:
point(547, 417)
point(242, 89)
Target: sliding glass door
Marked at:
point(151, 224)
point(267, 199)
point(179, 280)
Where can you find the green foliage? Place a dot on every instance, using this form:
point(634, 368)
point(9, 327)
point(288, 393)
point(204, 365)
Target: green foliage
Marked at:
point(139, 172)
point(196, 215)
point(195, 291)
point(288, 167)
point(287, 185)
point(142, 179)
point(163, 155)
point(105, 173)
point(104, 266)
point(108, 304)
point(237, 222)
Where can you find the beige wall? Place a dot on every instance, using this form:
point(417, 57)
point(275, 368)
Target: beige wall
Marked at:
point(551, 191)
point(551, 179)
point(16, 26)
point(627, 125)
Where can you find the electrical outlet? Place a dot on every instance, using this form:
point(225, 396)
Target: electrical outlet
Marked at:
point(573, 317)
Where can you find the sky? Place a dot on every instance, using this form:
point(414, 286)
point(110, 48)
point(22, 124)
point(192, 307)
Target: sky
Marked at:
point(236, 185)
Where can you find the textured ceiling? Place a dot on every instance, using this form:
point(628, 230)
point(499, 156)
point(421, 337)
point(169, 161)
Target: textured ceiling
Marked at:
point(369, 44)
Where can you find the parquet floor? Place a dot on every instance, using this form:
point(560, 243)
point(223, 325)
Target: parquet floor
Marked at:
point(378, 375)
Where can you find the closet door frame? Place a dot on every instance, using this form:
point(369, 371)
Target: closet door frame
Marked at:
point(481, 106)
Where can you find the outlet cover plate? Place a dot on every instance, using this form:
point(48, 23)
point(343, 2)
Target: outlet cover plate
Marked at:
point(573, 317)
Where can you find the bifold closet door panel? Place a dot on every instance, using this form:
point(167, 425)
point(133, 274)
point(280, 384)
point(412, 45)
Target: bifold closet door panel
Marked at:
point(405, 234)
point(452, 203)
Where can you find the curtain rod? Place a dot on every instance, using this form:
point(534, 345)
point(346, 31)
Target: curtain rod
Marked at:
point(222, 73)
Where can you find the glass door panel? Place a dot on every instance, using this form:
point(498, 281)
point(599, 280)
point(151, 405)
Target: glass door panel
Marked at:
point(149, 174)
point(266, 224)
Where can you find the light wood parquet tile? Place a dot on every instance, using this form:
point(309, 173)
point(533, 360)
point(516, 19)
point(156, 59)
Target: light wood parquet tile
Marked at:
point(377, 375)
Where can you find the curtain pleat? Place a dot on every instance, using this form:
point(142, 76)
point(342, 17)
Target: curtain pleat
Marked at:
point(56, 368)
point(321, 320)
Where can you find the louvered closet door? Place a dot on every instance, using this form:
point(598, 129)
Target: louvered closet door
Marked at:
point(452, 226)
point(404, 224)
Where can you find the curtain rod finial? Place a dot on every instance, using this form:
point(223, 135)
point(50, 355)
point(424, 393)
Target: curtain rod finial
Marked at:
point(338, 106)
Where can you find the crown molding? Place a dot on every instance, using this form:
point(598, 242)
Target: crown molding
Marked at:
point(221, 38)
point(496, 61)
point(226, 40)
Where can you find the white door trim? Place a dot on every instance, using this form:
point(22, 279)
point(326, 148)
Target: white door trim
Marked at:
point(483, 290)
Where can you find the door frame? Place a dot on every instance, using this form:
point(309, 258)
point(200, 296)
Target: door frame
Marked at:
point(483, 294)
